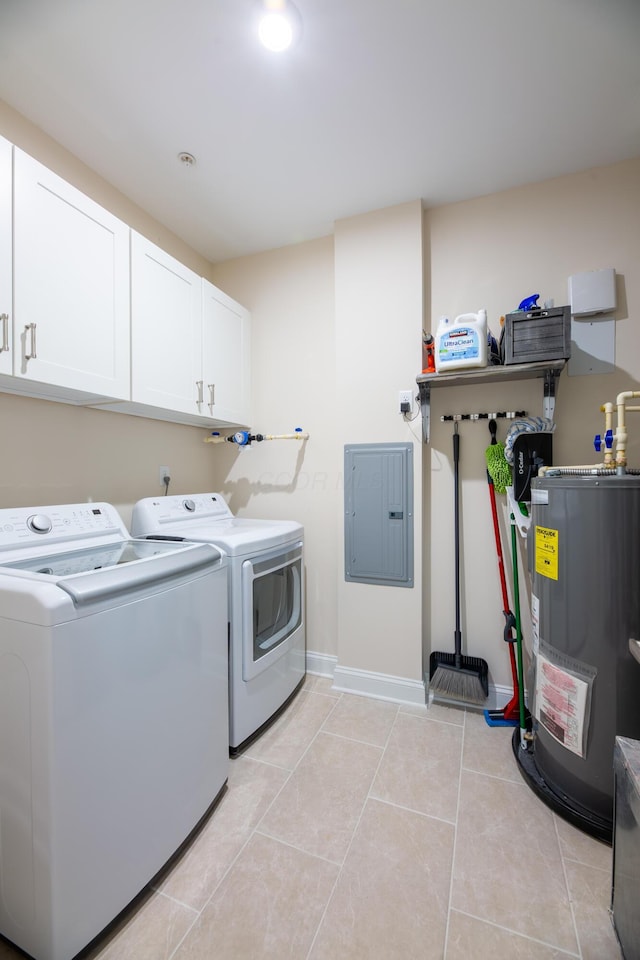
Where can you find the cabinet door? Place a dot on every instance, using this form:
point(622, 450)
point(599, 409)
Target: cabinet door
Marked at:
point(6, 339)
point(71, 286)
point(166, 312)
point(226, 353)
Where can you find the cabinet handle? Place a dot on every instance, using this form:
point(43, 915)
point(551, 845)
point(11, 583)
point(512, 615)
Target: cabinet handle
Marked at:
point(199, 385)
point(32, 328)
point(5, 332)
point(212, 393)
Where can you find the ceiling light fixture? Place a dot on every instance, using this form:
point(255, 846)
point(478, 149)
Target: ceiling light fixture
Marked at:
point(187, 159)
point(279, 25)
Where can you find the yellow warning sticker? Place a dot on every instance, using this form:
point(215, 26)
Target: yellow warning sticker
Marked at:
point(546, 544)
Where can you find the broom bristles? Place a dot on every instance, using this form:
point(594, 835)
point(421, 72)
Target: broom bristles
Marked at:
point(468, 680)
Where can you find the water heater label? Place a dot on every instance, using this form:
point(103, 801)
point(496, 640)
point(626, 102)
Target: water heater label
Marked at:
point(561, 704)
point(546, 544)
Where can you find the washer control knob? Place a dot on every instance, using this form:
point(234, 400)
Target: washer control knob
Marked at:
point(39, 523)
point(189, 505)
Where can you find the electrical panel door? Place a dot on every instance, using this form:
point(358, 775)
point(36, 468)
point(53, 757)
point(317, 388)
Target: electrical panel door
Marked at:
point(378, 490)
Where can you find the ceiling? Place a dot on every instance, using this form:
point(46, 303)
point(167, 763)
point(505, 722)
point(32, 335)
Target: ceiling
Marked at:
point(377, 104)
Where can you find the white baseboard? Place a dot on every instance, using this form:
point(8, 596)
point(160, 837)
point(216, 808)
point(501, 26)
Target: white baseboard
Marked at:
point(382, 686)
point(321, 664)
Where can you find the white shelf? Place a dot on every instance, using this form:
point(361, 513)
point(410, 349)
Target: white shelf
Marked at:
point(547, 370)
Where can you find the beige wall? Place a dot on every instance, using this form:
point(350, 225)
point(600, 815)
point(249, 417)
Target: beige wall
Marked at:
point(334, 367)
point(491, 252)
point(476, 254)
point(290, 295)
point(379, 306)
point(336, 334)
point(57, 453)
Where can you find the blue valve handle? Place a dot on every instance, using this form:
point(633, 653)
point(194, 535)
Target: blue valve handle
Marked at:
point(597, 442)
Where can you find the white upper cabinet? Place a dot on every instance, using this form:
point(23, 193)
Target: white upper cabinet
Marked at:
point(226, 357)
point(71, 288)
point(189, 343)
point(6, 334)
point(93, 313)
point(166, 313)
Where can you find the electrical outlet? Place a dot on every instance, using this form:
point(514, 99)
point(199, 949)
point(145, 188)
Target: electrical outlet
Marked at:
point(162, 473)
point(405, 397)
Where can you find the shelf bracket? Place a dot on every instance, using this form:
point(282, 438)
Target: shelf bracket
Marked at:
point(549, 371)
point(551, 377)
point(424, 392)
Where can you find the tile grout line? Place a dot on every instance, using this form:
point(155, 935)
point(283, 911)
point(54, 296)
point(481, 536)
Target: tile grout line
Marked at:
point(566, 884)
point(418, 813)
point(517, 933)
point(455, 840)
point(252, 833)
point(355, 830)
point(292, 846)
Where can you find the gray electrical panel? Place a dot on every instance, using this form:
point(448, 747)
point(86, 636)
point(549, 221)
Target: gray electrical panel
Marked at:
point(378, 506)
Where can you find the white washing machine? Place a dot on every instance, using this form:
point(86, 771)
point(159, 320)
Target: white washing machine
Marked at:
point(267, 649)
point(113, 715)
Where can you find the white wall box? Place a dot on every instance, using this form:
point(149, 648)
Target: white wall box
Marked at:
point(593, 292)
point(70, 332)
point(226, 356)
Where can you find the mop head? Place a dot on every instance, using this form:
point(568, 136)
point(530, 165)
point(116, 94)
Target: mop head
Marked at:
point(458, 678)
point(497, 467)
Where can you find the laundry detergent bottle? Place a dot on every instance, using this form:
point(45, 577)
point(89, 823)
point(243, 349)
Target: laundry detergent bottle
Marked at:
point(462, 344)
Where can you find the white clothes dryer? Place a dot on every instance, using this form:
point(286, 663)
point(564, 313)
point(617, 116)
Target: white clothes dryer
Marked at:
point(267, 648)
point(113, 715)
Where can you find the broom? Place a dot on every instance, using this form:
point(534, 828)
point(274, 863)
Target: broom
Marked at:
point(453, 675)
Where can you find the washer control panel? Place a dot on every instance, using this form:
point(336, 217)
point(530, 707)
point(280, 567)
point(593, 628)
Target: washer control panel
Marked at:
point(200, 506)
point(21, 526)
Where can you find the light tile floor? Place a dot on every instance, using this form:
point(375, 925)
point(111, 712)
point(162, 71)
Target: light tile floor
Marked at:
point(356, 829)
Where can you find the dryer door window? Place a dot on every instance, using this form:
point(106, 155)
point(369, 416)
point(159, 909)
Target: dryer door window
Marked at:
point(272, 608)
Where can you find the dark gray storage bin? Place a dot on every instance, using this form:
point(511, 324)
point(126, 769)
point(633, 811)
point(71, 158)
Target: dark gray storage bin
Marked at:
point(535, 335)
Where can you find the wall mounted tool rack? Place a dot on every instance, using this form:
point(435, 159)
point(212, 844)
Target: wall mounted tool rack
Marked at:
point(547, 370)
point(500, 415)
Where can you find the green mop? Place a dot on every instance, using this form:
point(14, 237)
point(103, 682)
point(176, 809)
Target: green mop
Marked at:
point(497, 467)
